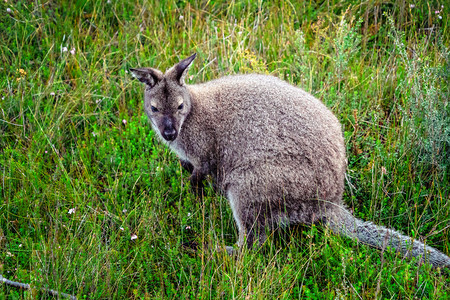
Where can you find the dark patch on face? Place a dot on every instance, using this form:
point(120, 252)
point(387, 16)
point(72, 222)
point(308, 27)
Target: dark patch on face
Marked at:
point(165, 95)
point(165, 89)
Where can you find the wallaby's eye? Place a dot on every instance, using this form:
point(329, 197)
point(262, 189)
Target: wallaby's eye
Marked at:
point(180, 106)
point(154, 109)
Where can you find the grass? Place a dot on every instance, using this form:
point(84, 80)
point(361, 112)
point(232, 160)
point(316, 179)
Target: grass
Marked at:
point(82, 173)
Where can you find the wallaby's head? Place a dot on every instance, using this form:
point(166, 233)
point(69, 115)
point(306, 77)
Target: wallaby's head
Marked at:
point(167, 101)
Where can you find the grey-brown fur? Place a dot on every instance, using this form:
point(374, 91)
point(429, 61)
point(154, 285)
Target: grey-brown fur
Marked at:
point(276, 152)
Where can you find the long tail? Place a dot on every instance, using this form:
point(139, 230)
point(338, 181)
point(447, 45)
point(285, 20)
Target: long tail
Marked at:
point(344, 223)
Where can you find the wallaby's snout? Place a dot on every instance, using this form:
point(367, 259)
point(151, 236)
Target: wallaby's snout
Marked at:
point(169, 132)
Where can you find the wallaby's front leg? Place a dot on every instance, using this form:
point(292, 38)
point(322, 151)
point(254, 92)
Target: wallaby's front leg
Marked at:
point(187, 166)
point(196, 180)
point(198, 174)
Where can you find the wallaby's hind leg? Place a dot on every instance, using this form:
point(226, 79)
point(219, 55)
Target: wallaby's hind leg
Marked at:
point(254, 217)
point(234, 200)
point(250, 216)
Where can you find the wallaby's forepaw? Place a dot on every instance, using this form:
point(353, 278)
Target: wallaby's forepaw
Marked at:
point(187, 166)
point(231, 251)
point(196, 180)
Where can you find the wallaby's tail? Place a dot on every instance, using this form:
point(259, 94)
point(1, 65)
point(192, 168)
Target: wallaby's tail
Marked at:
point(344, 223)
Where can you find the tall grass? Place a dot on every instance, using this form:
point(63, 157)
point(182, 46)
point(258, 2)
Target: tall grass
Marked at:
point(93, 205)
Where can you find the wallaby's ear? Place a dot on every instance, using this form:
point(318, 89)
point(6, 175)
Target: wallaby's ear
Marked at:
point(179, 71)
point(148, 76)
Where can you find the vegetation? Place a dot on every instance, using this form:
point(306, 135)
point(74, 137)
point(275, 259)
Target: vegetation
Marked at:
point(94, 206)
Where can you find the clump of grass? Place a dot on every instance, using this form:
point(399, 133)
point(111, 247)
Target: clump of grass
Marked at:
point(424, 82)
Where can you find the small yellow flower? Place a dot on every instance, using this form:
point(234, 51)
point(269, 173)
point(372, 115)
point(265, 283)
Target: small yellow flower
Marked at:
point(22, 74)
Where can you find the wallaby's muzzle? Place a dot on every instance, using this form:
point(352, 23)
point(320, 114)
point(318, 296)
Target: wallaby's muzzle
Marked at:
point(169, 132)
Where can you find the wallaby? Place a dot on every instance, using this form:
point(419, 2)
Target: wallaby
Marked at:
point(276, 152)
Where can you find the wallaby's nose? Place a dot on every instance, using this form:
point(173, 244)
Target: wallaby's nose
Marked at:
point(170, 134)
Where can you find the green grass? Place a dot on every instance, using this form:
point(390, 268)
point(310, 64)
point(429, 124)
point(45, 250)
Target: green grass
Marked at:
point(73, 135)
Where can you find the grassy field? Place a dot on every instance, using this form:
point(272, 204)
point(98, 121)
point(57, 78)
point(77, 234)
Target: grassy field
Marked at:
point(91, 204)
